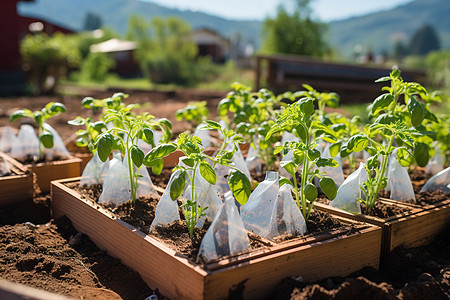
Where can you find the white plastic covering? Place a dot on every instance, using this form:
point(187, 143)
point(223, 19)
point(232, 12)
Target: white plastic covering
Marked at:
point(335, 173)
point(26, 143)
point(436, 164)
point(203, 135)
point(399, 183)
point(226, 235)
point(7, 140)
point(95, 171)
point(59, 149)
point(350, 191)
point(256, 213)
point(440, 181)
point(286, 218)
point(253, 161)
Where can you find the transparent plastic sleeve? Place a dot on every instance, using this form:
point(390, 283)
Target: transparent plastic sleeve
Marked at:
point(7, 140)
point(26, 143)
point(440, 181)
point(253, 161)
point(5, 170)
point(350, 191)
point(203, 135)
point(257, 211)
point(95, 171)
point(286, 218)
point(58, 150)
point(399, 182)
point(167, 209)
point(337, 174)
point(436, 164)
point(226, 235)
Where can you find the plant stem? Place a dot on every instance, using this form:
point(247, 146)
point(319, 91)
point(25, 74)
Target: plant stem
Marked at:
point(380, 176)
point(133, 184)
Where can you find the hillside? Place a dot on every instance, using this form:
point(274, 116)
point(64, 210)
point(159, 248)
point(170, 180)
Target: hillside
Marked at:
point(115, 14)
point(380, 30)
point(377, 30)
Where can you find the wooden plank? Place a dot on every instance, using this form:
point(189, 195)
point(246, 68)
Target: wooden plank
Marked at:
point(15, 291)
point(46, 172)
point(419, 227)
point(178, 278)
point(258, 278)
point(18, 187)
point(158, 265)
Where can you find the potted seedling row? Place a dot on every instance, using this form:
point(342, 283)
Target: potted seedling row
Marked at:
point(16, 183)
point(405, 136)
point(32, 149)
point(249, 273)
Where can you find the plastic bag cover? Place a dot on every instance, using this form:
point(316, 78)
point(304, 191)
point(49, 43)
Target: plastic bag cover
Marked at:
point(95, 171)
point(440, 181)
point(350, 191)
point(257, 211)
point(399, 182)
point(436, 164)
point(7, 140)
point(286, 218)
point(26, 143)
point(59, 149)
point(203, 135)
point(226, 235)
point(335, 173)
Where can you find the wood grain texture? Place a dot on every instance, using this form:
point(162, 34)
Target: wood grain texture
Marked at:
point(417, 228)
point(253, 275)
point(46, 172)
point(18, 187)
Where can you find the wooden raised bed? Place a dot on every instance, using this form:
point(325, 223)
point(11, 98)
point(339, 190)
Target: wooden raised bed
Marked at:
point(417, 228)
point(16, 187)
point(253, 275)
point(48, 171)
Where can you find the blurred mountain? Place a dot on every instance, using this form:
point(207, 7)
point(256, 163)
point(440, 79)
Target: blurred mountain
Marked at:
point(378, 31)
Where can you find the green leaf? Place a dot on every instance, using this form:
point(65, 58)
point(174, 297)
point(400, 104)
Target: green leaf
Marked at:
point(307, 106)
point(147, 135)
point(283, 181)
point(78, 121)
point(178, 183)
point(421, 154)
point(310, 191)
point(87, 102)
point(157, 166)
point(105, 146)
point(417, 111)
point(207, 172)
point(57, 107)
point(212, 125)
point(386, 119)
point(223, 106)
point(328, 187)
point(188, 162)
point(381, 102)
point(357, 143)
point(383, 79)
point(46, 138)
point(278, 149)
point(372, 162)
point(240, 186)
point(334, 149)
point(137, 155)
point(17, 115)
point(404, 157)
point(289, 166)
point(302, 133)
point(313, 154)
point(160, 151)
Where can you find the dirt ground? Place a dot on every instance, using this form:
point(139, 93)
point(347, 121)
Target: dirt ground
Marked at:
point(42, 252)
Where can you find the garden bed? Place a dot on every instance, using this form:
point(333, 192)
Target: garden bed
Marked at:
point(17, 186)
point(254, 274)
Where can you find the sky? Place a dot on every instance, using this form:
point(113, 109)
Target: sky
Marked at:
point(325, 10)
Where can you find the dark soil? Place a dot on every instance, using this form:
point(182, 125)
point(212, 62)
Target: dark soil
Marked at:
point(49, 254)
point(161, 180)
point(417, 273)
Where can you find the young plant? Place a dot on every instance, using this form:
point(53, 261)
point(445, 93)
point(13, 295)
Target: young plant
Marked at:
point(253, 115)
point(40, 117)
point(88, 136)
point(125, 139)
point(406, 152)
point(194, 113)
point(408, 102)
point(196, 160)
point(322, 98)
point(297, 118)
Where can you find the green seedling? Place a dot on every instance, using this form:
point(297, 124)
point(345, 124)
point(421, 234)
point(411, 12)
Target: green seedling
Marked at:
point(297, 118)
point(196, 160)
point(125, 139)
point(88, 136)
point(195, 113)
point(40, 117)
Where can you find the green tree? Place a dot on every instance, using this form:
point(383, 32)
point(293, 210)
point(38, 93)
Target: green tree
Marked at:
point(294, 33)
point(92, 21)
point(424, 40)
point(47, 58)
point(165, 52)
